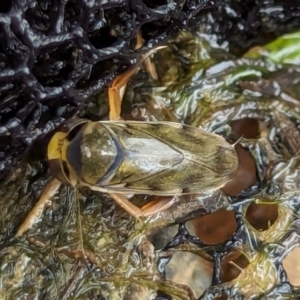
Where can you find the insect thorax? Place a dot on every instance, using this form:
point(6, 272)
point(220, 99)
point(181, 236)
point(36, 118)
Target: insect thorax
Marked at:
point(92, 152)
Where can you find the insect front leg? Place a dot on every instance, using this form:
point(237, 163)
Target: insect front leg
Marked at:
point(38, 209)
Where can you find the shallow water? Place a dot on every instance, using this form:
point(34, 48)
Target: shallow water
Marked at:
point(200, 83)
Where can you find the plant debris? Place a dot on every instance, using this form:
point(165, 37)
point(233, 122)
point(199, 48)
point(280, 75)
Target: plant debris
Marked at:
point(56, 60)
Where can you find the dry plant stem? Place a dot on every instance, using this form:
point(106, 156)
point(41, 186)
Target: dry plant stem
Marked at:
point(37, 210)
point(80, 254)
point(73, 283)
point(139, 41)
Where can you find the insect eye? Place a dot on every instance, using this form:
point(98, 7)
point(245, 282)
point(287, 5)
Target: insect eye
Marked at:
point(72, 134)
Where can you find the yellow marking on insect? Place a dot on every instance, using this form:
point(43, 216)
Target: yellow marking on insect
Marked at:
point(55, 145)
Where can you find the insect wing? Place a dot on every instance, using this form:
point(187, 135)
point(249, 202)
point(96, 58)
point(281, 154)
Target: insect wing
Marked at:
point(164, 158)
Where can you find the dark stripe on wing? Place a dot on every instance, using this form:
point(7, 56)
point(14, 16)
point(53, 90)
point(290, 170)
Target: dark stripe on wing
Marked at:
point(118, 160)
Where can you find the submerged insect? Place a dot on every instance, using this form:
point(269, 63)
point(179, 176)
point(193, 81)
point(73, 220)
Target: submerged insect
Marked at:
point(155, 158)
point(130, 157)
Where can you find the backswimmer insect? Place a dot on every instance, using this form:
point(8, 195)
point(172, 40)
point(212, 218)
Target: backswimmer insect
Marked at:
point(134, 157)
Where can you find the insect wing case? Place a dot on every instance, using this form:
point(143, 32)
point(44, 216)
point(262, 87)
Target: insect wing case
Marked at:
point(159, 158)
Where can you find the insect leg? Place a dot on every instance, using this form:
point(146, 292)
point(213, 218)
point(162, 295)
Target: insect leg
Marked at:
point(37, 210)
point(117, 88)
point(158, 205)
point(149, 209)
point(115, 92)
point(127, 205)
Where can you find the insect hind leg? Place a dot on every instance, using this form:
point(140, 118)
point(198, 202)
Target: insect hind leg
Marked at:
point(151, 208)
point(158, 205)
